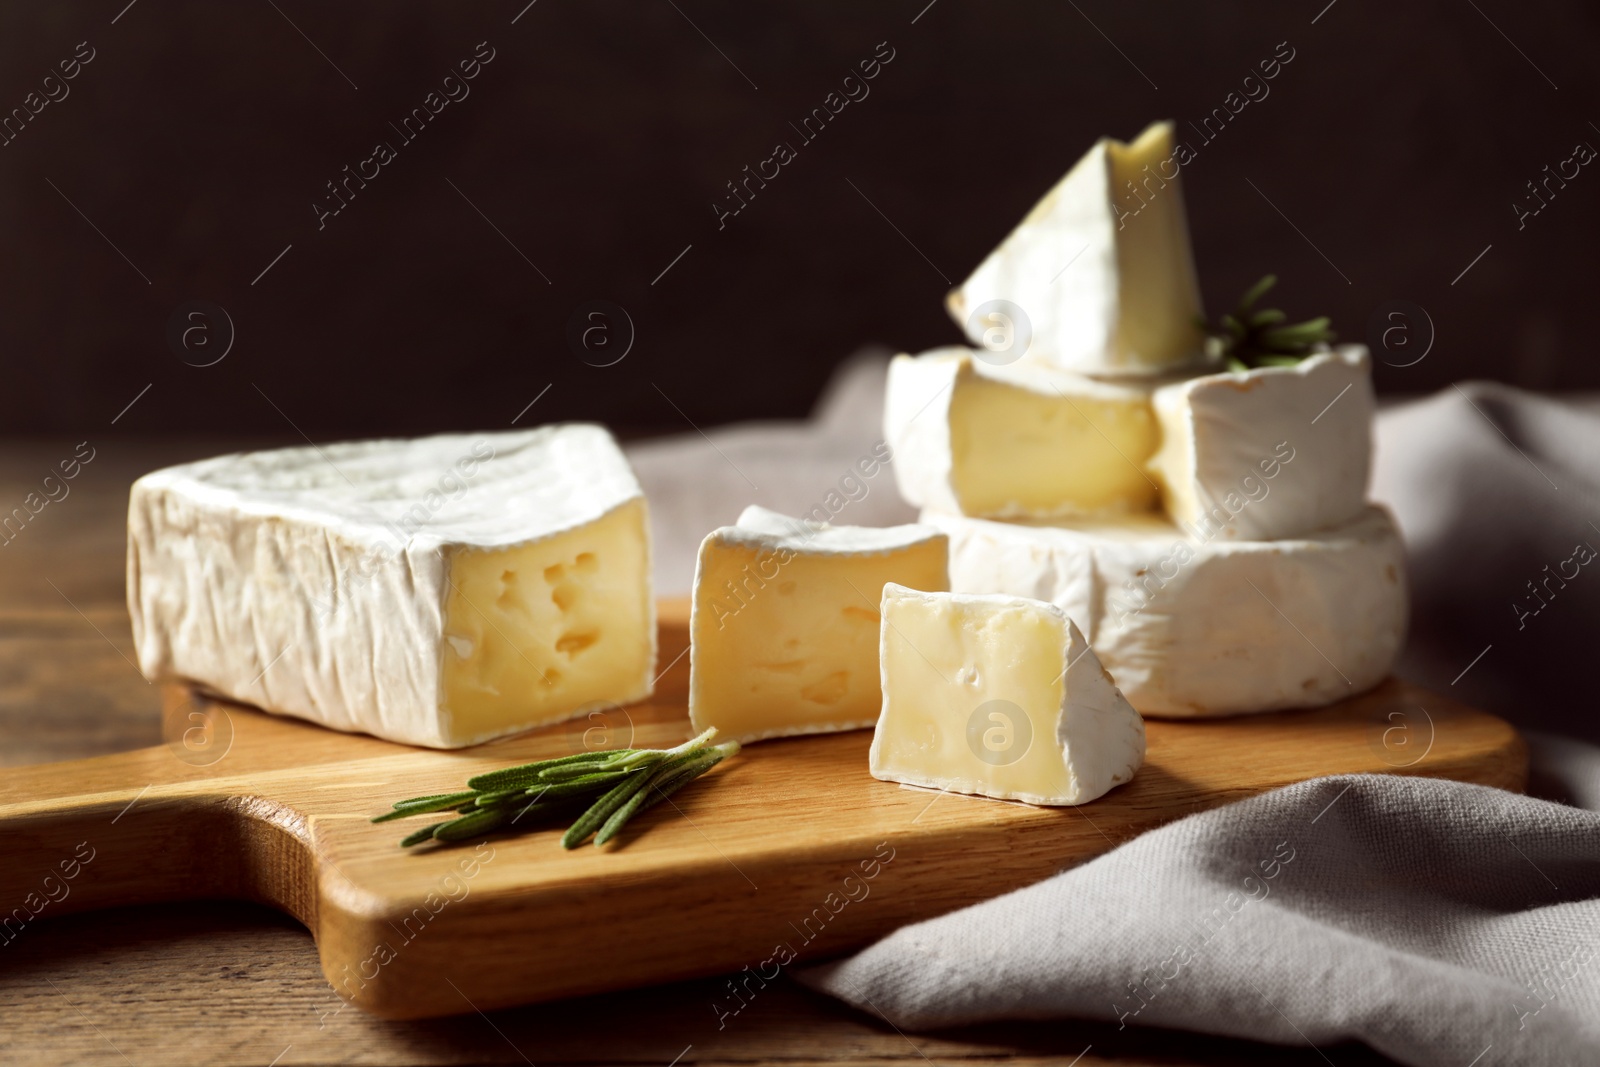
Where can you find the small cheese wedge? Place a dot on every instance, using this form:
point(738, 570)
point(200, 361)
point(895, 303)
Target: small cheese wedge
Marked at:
point(999, 696)
point(440, 591)
point(1017, 441)
point(1099, 277)
point(784, 624)
point(1268, 453)
point(1194, 629)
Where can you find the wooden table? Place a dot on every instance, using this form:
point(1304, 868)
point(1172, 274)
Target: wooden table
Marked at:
point(222, 983)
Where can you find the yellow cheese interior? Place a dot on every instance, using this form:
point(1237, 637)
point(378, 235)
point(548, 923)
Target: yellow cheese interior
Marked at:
point(537, 632)
point(1158, 294)
point(1173, 465)
point(965, 681)
point(1016, 452)
point(782, 648)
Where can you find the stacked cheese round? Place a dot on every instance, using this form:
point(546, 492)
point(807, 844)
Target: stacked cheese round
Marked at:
point(1210, 534)
point(1191, 628)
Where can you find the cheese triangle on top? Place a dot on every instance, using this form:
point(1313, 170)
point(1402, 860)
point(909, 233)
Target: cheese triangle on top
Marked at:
point(1099, 277)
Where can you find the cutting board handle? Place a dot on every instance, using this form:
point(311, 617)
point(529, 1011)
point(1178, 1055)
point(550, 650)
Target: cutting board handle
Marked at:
point(149, 826)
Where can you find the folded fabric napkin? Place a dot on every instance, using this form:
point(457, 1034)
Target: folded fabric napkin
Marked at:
point(1438, 922)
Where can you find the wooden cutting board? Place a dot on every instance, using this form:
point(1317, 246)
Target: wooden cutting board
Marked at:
point(789, 850)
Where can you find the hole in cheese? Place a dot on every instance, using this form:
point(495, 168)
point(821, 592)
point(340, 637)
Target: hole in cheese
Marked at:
point(573, 643)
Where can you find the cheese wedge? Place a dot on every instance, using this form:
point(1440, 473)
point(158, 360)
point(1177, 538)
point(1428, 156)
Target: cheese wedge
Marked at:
point(1191, 628)
point(784, 625)
point(1268, 453)
point(1017, 441)
point(439, 592)
point(998, 696)
point(1099, 277)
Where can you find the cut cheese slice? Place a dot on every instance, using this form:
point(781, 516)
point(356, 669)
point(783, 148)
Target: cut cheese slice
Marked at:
point(1267, 453)
point(1017, 441)
point(784, 624)
point(1197, 629)
point(1099, 277)
point(439, 592)
point(998, 696)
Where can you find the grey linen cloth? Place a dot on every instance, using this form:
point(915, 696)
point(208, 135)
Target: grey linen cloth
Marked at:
point(1440, 923)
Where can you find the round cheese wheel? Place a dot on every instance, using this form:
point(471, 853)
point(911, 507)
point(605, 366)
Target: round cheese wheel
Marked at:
point(1192, 628)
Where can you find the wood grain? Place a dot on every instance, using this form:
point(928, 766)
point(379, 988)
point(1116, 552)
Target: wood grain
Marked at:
point(791, 846)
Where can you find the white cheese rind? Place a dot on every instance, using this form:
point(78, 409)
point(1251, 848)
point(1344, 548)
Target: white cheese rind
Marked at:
point(1193, 629)
point(784, 621)
point(1017, 441)
point(1268, 453)
point(1101, 269)
point(958, 667)
point(317, 582)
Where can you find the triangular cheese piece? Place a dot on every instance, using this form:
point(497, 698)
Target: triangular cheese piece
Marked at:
point(1099, 277)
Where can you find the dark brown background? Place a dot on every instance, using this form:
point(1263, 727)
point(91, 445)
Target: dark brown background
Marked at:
point(201, 134)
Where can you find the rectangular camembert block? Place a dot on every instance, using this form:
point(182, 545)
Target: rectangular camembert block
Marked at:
point(1099, 277)
point(784, 628)
point(998, 696)
point(1268, 453)
point(1017, 441)
point(440, 591)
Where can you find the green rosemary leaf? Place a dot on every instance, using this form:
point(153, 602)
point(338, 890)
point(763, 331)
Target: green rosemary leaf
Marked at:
point(522, 775)
point(1247, 338)
point(640, 758)
point(666, 780)
point(478, 822)
point(1257, 291)
point(424, 834)
point(423, 805)
point(498, 796)
point(588, 785)
point(672, 783)
point(1312, 329)
point(593, 786)
point(591, 820)
point(567, 772)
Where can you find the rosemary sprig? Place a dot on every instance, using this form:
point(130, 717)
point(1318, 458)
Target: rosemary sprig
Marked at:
point(1248, 338)
point(603, 789)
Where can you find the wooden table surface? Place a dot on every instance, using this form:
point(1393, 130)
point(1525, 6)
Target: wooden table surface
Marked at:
point(227, 983)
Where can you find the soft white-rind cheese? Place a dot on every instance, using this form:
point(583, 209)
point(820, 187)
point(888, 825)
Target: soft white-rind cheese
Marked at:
point(998, 696)
point(1194, 629)
point(1017, 441)
point(1101, 269)
point(1268, 453)
point(439, 591)
point(785, 617)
